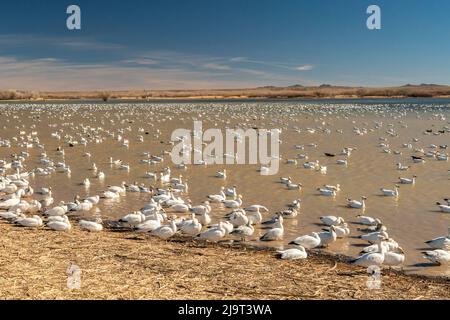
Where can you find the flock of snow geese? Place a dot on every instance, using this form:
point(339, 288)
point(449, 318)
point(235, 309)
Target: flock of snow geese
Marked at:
point(170, 213)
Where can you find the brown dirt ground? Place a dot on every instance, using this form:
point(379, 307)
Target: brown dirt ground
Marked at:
point(123, 265)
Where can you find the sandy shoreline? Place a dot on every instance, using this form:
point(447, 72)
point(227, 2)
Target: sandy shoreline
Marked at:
point(125, 265)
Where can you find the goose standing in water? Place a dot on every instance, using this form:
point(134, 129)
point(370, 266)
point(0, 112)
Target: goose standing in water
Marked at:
point(440, 243)
point(231, 192)
point(244, 231)
point(342, 231)
point(444, 208)
point(308, 241)
point(393, 259)
point(439, 256)
point(293, 253)
point(276, 233)
point(327, 237)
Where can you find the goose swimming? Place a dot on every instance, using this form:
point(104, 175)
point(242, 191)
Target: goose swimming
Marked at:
point(331, 220)
point(408, 180)
point(218, 197)
point(390, 193)
point(368, 221)
point(357, 204)
point(327, 192)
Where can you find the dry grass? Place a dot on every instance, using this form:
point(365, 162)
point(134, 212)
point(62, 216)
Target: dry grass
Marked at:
point(264, 92)
point(121, 265)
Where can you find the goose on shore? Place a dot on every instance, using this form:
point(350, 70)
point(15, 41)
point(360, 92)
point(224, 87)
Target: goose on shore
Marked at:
point(60, 225)
point(191, 227)
point(372, 258)
point(133, 219)
point(165, 232)
point(148, 225)
point(92, 226)
point(293, 253)
point(214, 234)
point(307, 241)
point(31, 222)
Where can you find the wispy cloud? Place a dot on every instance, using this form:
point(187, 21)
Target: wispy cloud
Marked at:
point(216, 66)
point(305, 67)
point(127, 68)
point(76, 43)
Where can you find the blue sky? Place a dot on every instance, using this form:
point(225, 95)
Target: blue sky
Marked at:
point(171, 44)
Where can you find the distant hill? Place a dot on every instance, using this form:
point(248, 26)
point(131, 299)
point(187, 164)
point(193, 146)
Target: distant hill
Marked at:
point(323, 91)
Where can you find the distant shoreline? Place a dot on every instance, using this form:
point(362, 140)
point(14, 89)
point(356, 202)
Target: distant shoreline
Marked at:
point(323, 92)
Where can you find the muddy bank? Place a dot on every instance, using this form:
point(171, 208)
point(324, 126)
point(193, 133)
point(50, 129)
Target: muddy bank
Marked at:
point(123, 265)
